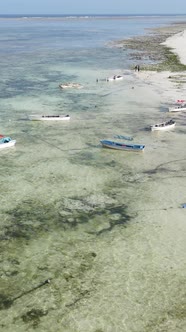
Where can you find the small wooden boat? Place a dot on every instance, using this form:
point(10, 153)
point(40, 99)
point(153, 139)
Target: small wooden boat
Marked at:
point(178, 108)
point(167, 125)
point(122, 146)
point(49, 117)
point(6, 142)
point(115, 78)
point(70, 85)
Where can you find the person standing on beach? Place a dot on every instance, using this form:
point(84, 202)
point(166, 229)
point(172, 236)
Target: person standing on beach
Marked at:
point(137, 67)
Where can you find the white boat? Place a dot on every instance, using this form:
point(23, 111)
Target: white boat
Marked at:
point(6, 142)
point(70, 85)
point(178, 108)
point(115, 78)
point(49, 117)
point(167, 125)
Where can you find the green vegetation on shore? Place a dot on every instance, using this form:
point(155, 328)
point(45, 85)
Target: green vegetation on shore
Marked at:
point(170, 62)
point(150, 52)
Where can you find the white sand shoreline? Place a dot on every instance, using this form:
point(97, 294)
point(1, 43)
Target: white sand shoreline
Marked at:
point(169, 84)
point(178, 44)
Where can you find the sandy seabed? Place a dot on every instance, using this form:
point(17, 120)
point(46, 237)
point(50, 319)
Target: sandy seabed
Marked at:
point(106, 227)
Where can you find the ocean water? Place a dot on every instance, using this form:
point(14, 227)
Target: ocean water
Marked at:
point(106, 227)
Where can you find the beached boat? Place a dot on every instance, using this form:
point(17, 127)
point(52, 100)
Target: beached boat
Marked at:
point(167, 125)
point(49, 117)
point(178, 108)
point(122, 146)
point(6, 142)
point(114, 78)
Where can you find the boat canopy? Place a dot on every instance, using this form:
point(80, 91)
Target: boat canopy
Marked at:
point(5, 140)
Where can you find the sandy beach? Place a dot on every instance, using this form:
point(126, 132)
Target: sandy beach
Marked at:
point(169, 84)
point(178, 44)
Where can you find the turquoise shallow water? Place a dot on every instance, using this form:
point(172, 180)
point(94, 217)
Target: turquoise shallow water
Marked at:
point(105, 226)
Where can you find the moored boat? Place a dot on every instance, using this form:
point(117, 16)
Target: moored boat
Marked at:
point(167, 125)
point(49, 117)
point(70, 85)
point(115, 78)
point(178, 108)
point(6, 142)
point(122, 146)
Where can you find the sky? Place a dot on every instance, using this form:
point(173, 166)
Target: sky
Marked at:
point(92, 7)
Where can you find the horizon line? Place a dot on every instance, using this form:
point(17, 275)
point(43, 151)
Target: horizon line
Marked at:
point(100, 14)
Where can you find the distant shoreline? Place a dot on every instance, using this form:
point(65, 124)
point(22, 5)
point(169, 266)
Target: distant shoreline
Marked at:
point(85, 16)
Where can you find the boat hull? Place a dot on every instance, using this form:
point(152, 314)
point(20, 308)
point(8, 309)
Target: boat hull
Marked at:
point(8, 144)
point(162, 127)
point(115, 78)
point(122, 146)
point(70, 85)
point(177, 109)
point(50, 118)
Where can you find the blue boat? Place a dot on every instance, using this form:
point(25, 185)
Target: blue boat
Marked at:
point(122, 146)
